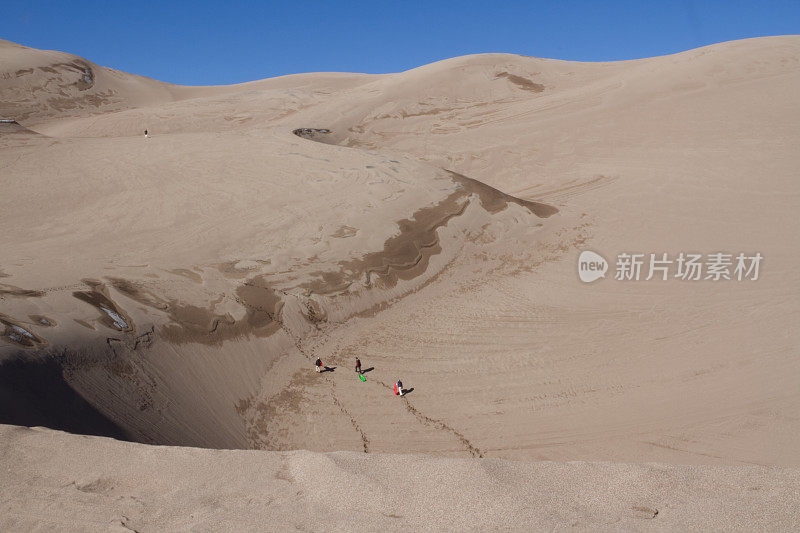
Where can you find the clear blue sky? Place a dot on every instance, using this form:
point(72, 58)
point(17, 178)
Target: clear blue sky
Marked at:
point(204, 42)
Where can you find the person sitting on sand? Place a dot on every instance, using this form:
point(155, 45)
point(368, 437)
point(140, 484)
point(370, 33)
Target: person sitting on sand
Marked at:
point(145, 134)
point(318, 364)
point(358, 365)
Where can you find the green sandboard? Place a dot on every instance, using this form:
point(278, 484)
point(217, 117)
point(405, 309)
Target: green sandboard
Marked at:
point(361, 377)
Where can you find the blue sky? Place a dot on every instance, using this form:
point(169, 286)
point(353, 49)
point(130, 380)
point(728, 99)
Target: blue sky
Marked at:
point(220, 42)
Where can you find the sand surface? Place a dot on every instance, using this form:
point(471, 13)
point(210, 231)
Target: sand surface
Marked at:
point(176, 289)
point(112, 485)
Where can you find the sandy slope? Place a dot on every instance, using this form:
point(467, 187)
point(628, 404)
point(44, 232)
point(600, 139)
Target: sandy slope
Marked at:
point(119, 486)
point(176, 289)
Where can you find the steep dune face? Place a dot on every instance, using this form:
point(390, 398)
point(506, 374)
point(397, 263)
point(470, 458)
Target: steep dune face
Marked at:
point(193, 266)
point(181, 286)
point(40, 84)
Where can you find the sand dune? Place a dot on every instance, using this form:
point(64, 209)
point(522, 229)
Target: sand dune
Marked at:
point(175, 290)
point(39, 85)
point(112, 485)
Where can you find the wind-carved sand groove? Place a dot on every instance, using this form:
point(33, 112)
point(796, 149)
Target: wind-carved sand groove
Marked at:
point(111, 315)
point(19, 335)
point(571, 190)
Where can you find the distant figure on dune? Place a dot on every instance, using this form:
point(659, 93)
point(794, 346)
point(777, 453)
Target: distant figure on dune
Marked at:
point(358, 365)
point(318, 364)
point(398, 388)
point(145, 134)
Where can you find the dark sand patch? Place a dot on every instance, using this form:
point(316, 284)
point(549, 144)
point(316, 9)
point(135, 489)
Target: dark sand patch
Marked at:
point(406, 255)
point(495, 201)
point(344, 231)
point(17, 334)
point(263, 417)
point(311, 133)
point(11, 290)
point(230, 269)
point(111, 315)
point(42, 320)
point(321, 135)
point(186, 273)
point(519, 81)
point(191, 323)
point(432, 111)
point(138, 293)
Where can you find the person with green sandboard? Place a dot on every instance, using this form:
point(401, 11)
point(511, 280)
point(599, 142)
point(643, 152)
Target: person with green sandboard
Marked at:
point(358, 370)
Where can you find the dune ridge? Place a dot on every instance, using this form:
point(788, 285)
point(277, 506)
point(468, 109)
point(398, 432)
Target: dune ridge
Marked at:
point(118, 485)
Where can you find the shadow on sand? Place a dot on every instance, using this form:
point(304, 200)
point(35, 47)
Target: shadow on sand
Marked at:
point(33, 392)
